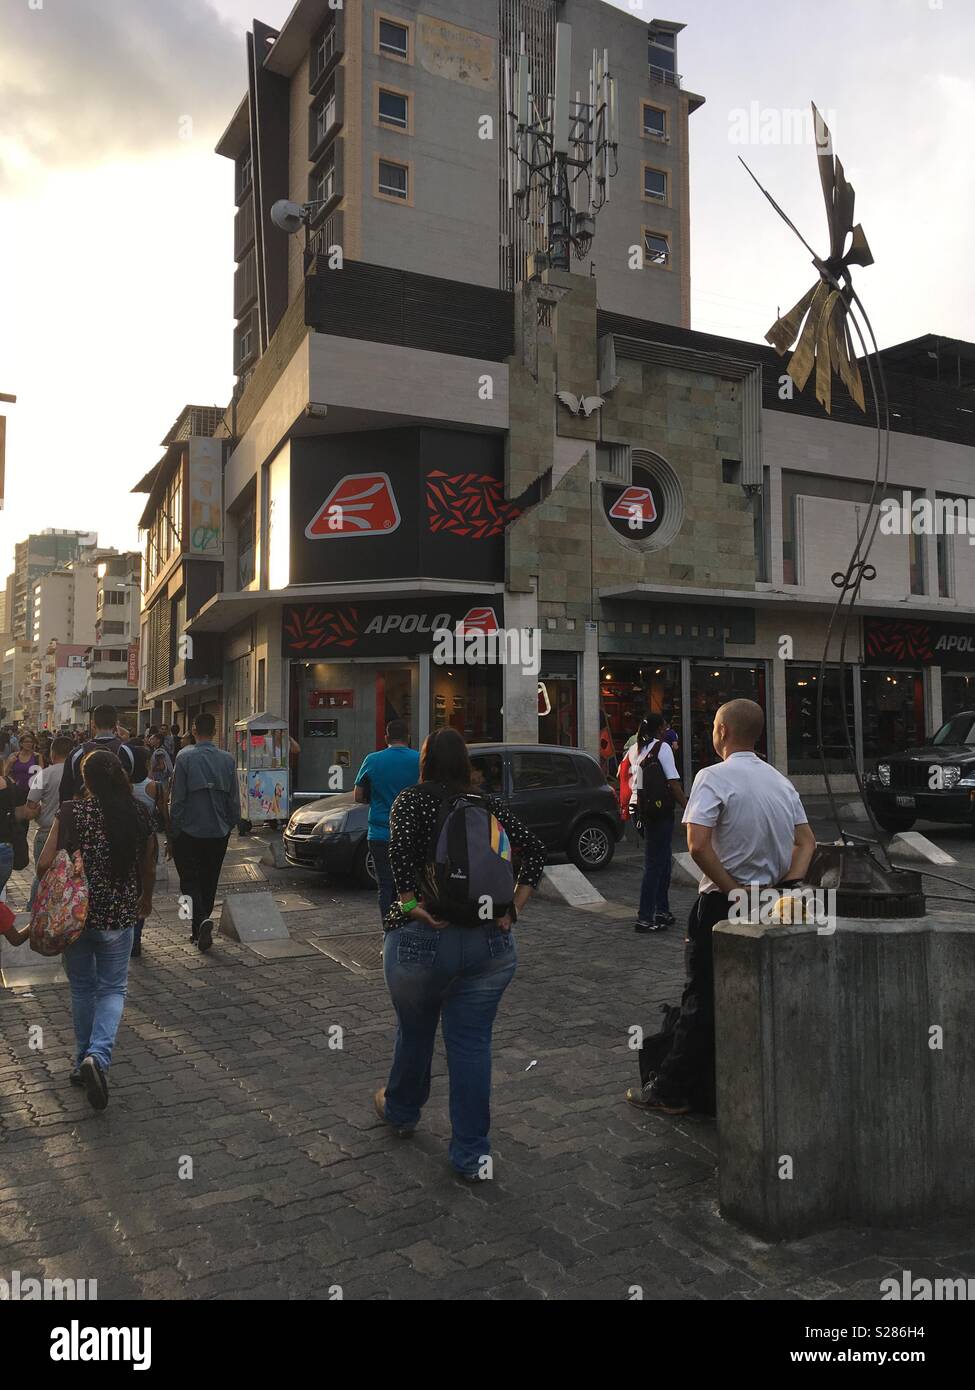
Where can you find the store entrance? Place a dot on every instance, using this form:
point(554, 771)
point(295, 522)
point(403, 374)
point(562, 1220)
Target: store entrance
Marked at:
point(339, 713)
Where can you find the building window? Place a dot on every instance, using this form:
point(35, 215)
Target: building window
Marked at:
point(655, 184)
point(656, 246)
point(113, 629)
point(245, 172)
point(246, 545)
point(322, 186)
point(323, 52)
point(325, 115)
point(662, 56)
point(801, 700)
point(394, 109)
point(394, 39)
point(393, 180)
point(654, 121)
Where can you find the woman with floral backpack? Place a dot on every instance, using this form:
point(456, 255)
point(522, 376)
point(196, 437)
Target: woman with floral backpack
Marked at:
point(113, 835)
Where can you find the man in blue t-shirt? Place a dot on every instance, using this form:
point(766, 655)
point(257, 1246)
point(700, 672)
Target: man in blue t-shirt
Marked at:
point(379, 781)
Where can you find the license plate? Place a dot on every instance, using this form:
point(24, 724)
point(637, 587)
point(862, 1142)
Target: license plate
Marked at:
point(906, 801)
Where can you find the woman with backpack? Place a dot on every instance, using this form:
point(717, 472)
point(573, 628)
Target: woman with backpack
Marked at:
point(449, 952)
point(655, 789)
point(112, 832)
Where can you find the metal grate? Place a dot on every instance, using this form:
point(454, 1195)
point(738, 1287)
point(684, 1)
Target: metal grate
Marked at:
point(242, 873)
point(362, 952)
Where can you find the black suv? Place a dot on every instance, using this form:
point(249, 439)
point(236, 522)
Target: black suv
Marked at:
point(560, 793)
point(935, 782)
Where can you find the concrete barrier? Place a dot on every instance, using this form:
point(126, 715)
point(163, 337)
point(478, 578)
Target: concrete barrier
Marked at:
point(21, 968)
point(843, 1064)
point(685, 871)
point(564, 883)
point(911, 844)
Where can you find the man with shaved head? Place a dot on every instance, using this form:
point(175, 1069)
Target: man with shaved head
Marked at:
point(745, 826)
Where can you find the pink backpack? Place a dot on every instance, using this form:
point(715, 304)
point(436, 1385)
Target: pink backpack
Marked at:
point(60, 905)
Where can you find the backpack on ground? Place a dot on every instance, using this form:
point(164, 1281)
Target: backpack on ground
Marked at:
point(653, 1052)
point(60, 905)
point(469, 878)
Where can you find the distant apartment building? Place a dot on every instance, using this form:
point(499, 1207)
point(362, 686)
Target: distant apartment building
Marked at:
point(390, 114)
point(38, 555)
point(182, 527)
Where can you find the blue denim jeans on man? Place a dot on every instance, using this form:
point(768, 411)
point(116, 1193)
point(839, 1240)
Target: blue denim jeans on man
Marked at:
point(97, 967)
point(658, 857)
point(454, 976)
point(6, 863)
point(379, 849)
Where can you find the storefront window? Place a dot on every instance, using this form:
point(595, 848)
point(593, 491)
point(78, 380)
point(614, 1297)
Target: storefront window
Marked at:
point(558, 701)
point(957, 693)
point(713, 684)
point(801, 695)
point(893, 711)
point(468, 699)
point(630, 690)
point(339, 713)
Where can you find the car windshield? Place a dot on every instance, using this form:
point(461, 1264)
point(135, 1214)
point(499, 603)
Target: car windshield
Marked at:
point(957, 731)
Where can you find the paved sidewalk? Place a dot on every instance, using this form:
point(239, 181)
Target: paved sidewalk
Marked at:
point(224, 1070)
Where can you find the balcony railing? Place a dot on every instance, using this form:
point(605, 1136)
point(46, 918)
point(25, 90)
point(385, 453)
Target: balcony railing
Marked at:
point(670, 79)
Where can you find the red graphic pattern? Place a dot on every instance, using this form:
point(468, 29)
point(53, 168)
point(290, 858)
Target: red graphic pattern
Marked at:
point(468, 504)
point(904, 642)
point(312, 628)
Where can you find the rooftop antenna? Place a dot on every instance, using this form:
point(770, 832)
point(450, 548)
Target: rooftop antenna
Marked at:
point(560, 151)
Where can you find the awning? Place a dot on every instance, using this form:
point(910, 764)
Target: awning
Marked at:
point(187, 688)
point(880, 607)
point(225, 611)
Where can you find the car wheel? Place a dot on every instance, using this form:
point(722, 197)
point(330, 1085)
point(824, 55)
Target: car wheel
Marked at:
point(591, 846)
point(890, 821)
point(363, 870)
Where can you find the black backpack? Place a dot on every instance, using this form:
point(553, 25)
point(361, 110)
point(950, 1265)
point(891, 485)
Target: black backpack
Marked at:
point(468, 879)
point(655, 800)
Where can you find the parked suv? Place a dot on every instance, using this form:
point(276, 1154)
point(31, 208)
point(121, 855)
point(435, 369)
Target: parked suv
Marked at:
point(934, 782)
point(560, 793)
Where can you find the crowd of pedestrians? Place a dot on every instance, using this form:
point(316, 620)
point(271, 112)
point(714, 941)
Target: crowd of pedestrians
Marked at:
point(454, 869)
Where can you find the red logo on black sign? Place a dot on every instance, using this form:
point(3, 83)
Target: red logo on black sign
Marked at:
point(468, 504)
point(362, 504)
point(903, 642)
point(312, 628)
point(479, 620)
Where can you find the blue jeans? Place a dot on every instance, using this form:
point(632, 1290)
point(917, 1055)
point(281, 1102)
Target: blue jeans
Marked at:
point(454, 976)
point(658, 855)
point(6, 863)
point(97, 967)
point(379, 849)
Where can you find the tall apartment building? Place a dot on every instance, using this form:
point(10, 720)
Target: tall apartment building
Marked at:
point(380, 110)
point(37, 555)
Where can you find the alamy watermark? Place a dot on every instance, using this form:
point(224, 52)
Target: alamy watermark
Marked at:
point(770, 907)
point(20, 1288)
point(923, 516)
point(512, 646)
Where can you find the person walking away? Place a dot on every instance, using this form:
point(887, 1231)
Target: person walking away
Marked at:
point(655, 789)
point(13, 808)
point(104, 738)
point(152, 796)
point(171, 740)
point(204, 807)
point(113, 835)
point(380, 779)
point(23, 766)
point(745, 826)
point(446, 962)
point(45, 794)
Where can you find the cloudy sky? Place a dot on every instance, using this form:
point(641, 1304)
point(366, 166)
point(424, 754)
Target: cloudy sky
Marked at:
point(116, 215)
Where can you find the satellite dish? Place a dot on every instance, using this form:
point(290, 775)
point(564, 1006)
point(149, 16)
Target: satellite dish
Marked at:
point(288, 216)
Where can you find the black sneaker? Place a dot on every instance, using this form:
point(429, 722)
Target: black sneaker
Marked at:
point(649, 1098)
point(205, 939)
point(643, 926)
point(663, 920)
point(93, 1080)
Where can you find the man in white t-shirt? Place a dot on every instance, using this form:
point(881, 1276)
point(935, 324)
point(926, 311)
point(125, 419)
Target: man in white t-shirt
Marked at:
point(745, 825)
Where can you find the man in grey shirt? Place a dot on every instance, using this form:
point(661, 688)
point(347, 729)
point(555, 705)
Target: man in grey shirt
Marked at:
point(204, 807)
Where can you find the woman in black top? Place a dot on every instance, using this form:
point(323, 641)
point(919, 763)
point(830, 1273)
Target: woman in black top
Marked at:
point(439, 972)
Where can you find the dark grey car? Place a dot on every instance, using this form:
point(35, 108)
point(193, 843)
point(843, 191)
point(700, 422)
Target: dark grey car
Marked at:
point(560, 793)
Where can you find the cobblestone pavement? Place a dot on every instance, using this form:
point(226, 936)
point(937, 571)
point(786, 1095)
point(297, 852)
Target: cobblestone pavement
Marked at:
point(296, 1187)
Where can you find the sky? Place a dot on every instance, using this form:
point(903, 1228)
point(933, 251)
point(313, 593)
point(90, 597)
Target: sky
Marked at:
point(116, 216)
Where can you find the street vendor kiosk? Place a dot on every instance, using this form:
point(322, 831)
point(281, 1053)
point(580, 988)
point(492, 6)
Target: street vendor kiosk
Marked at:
point(261, 750)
